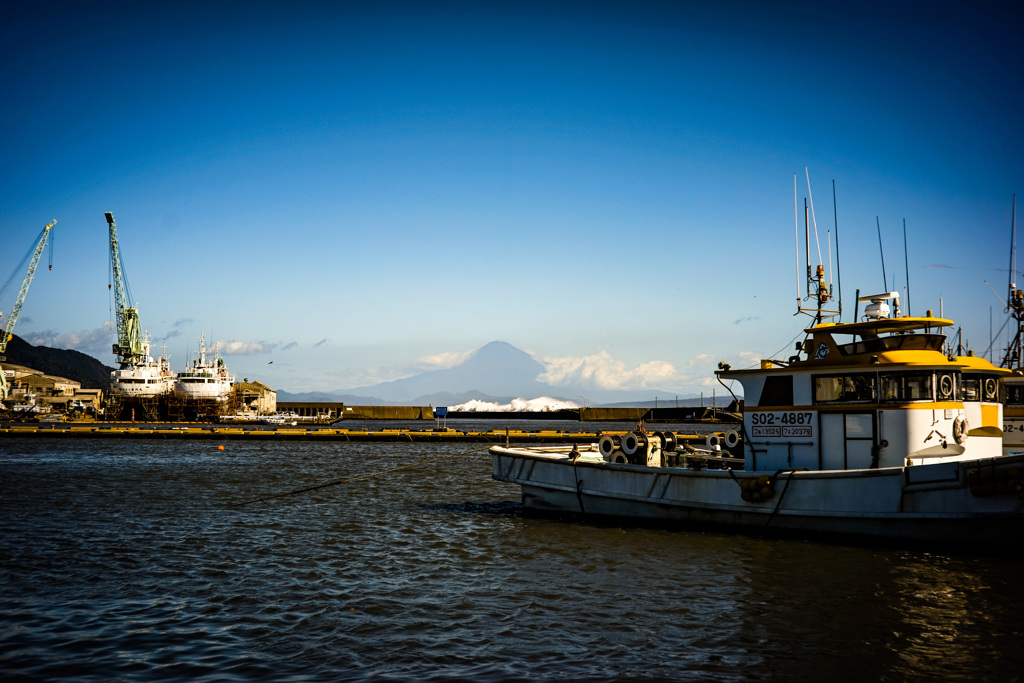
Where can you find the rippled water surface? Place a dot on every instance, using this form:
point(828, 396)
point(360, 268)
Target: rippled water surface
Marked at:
point(130, 560)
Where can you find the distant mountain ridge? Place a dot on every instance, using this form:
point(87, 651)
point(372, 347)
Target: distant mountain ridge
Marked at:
point(497, 372)
point(66, 363)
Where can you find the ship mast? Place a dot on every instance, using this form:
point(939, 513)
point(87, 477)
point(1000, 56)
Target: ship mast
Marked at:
point(817, 289)
point(1015, 300)
point(129, 348)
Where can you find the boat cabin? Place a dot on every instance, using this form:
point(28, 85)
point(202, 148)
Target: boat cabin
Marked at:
point(870, 394)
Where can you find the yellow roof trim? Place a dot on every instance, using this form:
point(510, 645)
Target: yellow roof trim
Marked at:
point(881, 326)
point(979, 364)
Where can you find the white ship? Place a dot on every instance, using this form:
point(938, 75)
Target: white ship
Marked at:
point(204, 379)
point(142, 376)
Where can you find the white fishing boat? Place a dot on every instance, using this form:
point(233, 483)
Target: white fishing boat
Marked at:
point(282, 418)
point(204, 379)
point(242, 417)
point(869, 430)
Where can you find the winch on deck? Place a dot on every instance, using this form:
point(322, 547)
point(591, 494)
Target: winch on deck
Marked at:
point(668, 449)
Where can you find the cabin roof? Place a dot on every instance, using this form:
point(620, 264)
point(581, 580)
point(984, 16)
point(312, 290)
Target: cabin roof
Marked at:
point(871, 328)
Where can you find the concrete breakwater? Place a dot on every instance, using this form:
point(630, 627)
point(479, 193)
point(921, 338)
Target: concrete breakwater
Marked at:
point(341, 411)
point(300, 433)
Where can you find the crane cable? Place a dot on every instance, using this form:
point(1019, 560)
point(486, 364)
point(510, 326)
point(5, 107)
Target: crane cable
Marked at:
point(19, 270)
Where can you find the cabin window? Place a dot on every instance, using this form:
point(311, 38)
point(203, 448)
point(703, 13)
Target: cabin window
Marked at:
point(854, 388)
point(911, 386)
point(896, 342)
point(1014, 394)
point(777, 391)
point(970, 389)
point(978, 387)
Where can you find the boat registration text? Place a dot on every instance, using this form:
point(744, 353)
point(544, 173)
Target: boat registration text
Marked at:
point(778, 425)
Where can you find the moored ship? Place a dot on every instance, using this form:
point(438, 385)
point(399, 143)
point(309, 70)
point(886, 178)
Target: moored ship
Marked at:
point(143, 377)
point(203, 389)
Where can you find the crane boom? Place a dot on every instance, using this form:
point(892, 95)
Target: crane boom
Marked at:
point(16, 310)
point(129, 348)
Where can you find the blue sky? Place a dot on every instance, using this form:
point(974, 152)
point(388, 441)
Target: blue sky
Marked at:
point(360, 192)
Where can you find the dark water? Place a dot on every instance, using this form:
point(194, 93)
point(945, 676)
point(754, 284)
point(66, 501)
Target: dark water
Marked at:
point(125, 560)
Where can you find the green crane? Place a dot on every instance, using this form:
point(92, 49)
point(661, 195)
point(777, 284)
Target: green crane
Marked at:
point(129, 348)
point(16, 310)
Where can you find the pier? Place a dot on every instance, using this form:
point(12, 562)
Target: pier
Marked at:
point(304, 433)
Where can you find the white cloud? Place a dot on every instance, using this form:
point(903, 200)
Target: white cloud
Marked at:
point(94, 342)
point(440, 361)
point(601, 371)
point(244, 348)
point(701, 359)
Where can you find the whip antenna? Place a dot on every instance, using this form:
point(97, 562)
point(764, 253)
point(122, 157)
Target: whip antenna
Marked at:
point(906, 262)
point(885, 280)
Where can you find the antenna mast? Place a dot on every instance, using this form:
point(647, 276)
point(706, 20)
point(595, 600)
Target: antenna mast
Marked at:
point(839, 269)
point(818, 289)
point(906, 262)
point(1015, 301)
point(881, 252)
point(796, 241)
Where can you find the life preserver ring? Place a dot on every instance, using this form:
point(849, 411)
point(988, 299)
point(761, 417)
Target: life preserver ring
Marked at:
point(713, 441)
point(959, 430)
point(732, 438)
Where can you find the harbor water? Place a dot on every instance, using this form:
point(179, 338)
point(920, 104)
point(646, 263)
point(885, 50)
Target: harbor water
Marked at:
point(130, 560)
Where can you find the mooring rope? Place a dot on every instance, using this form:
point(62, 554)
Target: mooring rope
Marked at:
point(361, 476)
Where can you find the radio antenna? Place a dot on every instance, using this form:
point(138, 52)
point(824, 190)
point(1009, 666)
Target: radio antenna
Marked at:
point(1013, 245)
point(885, 280)
point(818, 288)
point(839, 269)
point(906, 261)
point(796, 241)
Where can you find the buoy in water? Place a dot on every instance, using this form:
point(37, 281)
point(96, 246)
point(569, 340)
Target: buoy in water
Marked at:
point(220, 448)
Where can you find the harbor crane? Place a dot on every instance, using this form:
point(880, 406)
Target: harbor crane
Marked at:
point(129, 348)
point(8, 332)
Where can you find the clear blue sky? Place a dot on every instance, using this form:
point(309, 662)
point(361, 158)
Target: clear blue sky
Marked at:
point(359, 192)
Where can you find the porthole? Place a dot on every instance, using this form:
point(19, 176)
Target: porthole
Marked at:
point(990, 389)
point(945, 386)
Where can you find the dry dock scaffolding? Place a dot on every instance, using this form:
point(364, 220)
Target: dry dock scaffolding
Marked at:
point(131, 408)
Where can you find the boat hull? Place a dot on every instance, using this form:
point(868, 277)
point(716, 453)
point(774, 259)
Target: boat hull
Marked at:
point(932, 503)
